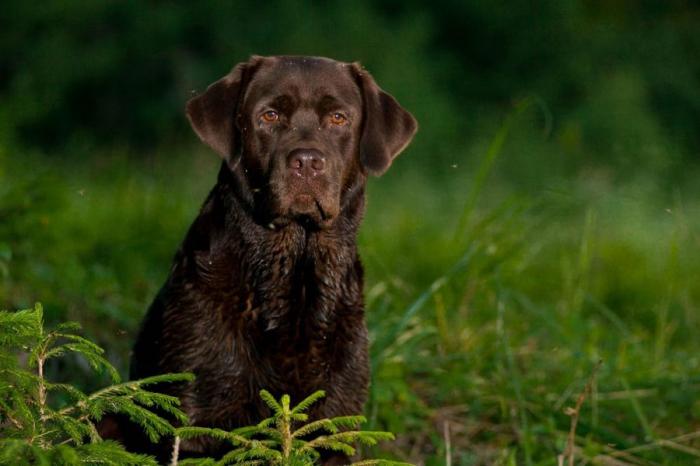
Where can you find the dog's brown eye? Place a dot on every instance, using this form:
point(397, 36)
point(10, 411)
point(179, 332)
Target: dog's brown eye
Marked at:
point(338, 118)
point(270, 116)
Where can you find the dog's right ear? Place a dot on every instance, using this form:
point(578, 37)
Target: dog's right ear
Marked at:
point(213, 113)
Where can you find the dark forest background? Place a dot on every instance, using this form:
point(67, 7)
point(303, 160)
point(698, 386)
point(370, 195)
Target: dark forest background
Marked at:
point(546, 216)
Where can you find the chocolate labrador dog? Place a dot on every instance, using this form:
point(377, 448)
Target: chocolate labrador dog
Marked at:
point(266, 289)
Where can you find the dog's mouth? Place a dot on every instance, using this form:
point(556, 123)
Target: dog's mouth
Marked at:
point(306, 207)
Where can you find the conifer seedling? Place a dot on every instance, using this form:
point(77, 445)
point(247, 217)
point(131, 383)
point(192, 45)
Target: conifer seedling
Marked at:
point(34, 431)
point(286, 439)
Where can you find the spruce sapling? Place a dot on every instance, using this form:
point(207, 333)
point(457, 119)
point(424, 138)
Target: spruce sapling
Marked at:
point(285, 439)
point(34, 431)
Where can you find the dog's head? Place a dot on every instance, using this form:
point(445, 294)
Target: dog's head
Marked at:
point(301, 133)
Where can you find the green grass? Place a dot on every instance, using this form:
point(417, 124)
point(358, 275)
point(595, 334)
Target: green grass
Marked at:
point(483, 334)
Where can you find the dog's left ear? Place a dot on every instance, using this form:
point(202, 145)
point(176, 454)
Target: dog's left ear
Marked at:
point(212, 114)
point(387, 127)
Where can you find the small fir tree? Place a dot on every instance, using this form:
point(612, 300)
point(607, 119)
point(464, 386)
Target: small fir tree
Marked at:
point(33, 431)
point(285, 439)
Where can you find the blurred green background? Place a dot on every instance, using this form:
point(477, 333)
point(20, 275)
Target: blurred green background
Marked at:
point(545, 218)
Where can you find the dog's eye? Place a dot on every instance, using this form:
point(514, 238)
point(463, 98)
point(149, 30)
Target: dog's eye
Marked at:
point(270, 116)
point(338, 118)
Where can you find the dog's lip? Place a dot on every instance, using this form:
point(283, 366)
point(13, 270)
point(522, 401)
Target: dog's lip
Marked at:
point(305, 197)
point(321, 220)
point(306, 208)
point(325, 216)
point(306, 203)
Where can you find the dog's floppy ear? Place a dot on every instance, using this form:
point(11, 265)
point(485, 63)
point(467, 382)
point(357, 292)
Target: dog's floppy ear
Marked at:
point(212, 114)
point(387, 127)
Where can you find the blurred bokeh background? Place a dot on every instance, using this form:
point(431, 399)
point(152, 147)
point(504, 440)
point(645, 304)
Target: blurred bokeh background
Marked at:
point(545, 218)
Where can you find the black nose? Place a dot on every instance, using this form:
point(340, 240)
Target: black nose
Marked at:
point(306, 163)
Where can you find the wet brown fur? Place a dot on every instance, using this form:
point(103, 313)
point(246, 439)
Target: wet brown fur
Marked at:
point(266, 289)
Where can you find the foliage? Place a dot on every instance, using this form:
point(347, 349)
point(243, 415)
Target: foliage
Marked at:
point(480, 340)
point(499, 271)
point(278, 441)
point(34, 431)
point(621, 79)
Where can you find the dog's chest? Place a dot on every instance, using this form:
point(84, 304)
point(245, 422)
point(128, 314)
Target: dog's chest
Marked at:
point(279, 319)
point(290, 354)
point(284, 314)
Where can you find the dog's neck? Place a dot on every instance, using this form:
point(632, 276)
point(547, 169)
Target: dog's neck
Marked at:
point(290, 272)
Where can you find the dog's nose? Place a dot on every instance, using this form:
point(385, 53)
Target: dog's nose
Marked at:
point(306, 163)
